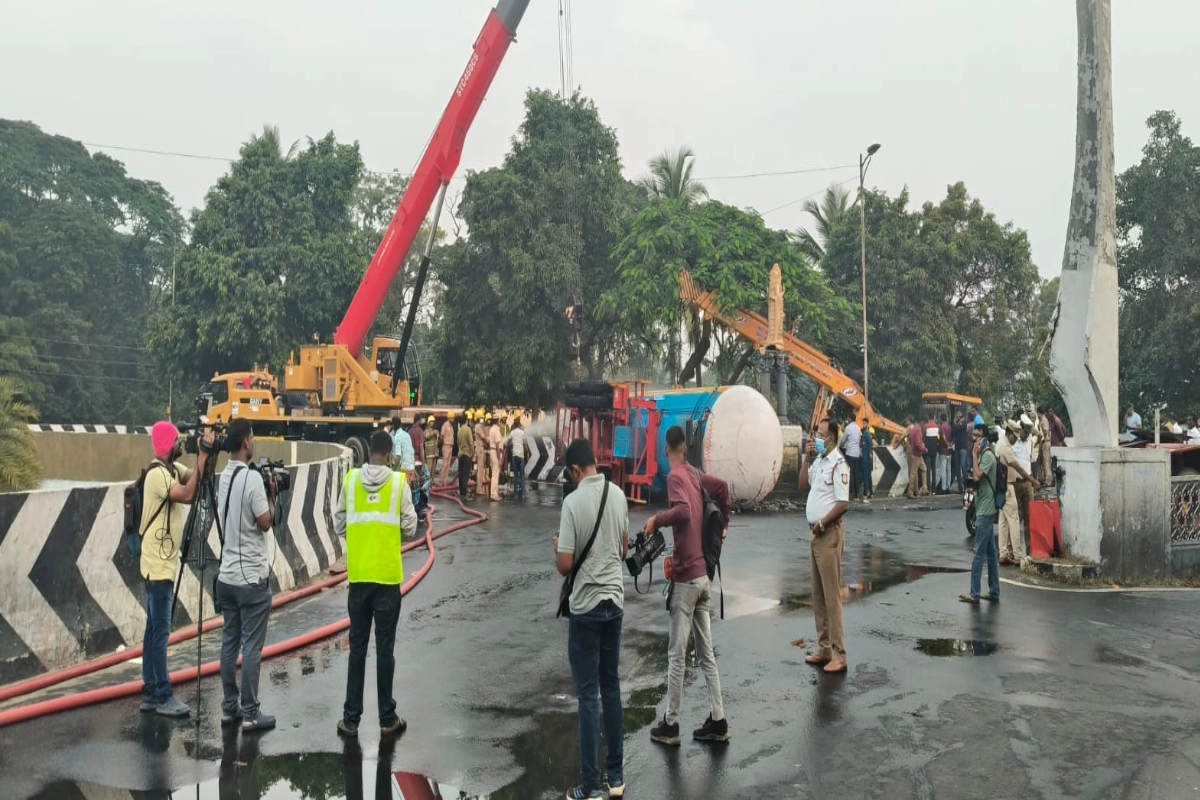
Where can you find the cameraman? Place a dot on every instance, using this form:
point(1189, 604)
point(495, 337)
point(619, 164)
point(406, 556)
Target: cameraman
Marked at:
point(597, 608)
point(167, 490)
point(247, 508)
point(691, 591)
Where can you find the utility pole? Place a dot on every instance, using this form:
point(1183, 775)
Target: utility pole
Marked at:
point(171, 381)
point(863, 162)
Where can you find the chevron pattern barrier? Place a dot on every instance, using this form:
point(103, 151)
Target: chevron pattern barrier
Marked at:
point(72, 591)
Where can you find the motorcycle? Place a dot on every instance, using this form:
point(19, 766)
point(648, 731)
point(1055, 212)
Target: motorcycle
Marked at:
point(969, 509)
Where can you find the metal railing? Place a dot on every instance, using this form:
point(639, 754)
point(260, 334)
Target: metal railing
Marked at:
point(1185, 510)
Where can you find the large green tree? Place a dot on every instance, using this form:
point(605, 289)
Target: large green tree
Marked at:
point(85, 254)
point(20, 468)
point(951, 300)
point(833, 209)
point(540, 233)
point(1158, 222)
point(728, 251)
point(671, 178)
point(274, 259)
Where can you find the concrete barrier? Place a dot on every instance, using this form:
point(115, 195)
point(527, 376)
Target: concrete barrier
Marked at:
point(889, 467)
point(71, 589)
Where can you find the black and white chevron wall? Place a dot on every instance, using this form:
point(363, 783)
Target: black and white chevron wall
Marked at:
point(71, 589)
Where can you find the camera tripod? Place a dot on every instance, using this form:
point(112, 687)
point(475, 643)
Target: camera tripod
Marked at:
point(200, 520)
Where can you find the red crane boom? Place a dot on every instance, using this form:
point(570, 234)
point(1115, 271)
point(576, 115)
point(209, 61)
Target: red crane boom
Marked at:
point(437, 166)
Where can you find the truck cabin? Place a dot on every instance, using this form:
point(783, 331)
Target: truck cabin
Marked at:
point(934, 404)
point(237, 394)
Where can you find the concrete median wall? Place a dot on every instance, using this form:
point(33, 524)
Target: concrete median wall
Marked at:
point(889, 467)
point(71, 589)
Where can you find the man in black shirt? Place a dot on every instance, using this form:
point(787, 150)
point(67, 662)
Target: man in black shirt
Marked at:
point(962, 449)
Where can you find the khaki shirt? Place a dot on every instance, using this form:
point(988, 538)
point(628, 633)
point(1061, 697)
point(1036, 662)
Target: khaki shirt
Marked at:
point(448, 435)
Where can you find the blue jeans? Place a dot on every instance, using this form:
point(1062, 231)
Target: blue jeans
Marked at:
point(962, 468)
point(985, 549)
point(518, 470)
point(594, 650)
point(156, 680)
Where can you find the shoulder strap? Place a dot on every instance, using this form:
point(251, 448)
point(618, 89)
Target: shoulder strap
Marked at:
point(225, 514)
point(165, 501)
point(587, 548)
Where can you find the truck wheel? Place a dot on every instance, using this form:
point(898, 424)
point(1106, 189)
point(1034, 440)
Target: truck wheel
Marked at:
point(591, 402)
point(358, 449)
point(595, 387)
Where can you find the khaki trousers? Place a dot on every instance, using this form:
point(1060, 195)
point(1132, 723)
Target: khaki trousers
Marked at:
point(494, 461)
point(827, 591)
point(1024, 499)
point(1010, 526)
point(447, 457)
point(481, 471)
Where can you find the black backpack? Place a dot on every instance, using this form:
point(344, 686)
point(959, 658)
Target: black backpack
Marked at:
point(712, 537)
point(135, 493)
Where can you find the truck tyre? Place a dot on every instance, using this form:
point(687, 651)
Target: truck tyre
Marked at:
point(589, 402)
point(592, 387)
point(358, 450)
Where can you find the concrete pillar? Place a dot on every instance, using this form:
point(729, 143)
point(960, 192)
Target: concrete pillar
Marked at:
point(782, 365)
point(1083, 355)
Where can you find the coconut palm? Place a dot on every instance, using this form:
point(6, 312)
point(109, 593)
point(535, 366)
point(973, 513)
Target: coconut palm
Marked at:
point(20, 468)
point(835, 205)
point(671, 178)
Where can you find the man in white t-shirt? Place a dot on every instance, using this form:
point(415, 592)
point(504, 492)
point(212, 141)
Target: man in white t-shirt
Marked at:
point(851, 447)
point(597, 609)
point(516, 441)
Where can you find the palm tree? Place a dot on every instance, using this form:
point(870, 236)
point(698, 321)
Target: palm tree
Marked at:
point(829, 213)
point(20, 468)
point(671, 178)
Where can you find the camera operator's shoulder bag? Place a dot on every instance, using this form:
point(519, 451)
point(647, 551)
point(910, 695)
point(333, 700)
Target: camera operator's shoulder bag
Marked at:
point(133, 531)
point(564, 594)
point(712, 530)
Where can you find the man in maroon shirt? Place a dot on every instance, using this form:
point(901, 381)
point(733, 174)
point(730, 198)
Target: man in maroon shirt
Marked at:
point(915, 447)
point(691, 591)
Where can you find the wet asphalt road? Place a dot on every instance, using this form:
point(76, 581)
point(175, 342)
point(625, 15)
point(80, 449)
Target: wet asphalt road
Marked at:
point(1048, 694)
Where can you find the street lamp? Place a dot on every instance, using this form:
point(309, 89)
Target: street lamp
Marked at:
point(863, 163)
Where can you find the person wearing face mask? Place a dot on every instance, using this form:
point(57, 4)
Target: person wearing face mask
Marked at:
point(983, 460)
point(825, 476)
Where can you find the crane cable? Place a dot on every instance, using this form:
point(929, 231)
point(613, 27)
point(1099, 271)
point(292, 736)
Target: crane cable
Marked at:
point(566, 71)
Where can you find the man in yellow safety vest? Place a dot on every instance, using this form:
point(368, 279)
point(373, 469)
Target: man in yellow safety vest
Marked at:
point(374, 512)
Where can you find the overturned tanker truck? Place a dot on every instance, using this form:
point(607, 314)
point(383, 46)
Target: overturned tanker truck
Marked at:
point(732, 433)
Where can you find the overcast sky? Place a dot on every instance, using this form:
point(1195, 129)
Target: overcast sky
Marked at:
point(982, 92)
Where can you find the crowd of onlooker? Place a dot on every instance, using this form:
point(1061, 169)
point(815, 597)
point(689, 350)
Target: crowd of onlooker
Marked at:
point(1132, 428)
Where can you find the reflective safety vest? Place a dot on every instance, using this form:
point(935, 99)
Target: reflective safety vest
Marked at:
point(373, 535)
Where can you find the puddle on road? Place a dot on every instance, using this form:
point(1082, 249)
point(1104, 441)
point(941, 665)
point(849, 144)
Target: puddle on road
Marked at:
point(867, 570)
point(940, 648)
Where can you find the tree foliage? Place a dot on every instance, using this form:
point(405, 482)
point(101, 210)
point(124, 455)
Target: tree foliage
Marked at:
point(1158, 217)
point(541, 230)
point(951, 295)
point(274, 259)
point(20, 467)
point(671, 178)
point(729, 252)
point(832, 210)
point(85, 254)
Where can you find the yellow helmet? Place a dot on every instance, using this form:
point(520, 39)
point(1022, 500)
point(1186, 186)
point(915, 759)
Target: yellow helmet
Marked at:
point(450, 416)
point(487, 418)
point(470, 414)
point(431, 420)
point(479, 413)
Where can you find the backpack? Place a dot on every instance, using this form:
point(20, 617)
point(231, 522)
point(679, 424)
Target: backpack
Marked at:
point(135, 493)
point(712, 530)
point(1001, 480)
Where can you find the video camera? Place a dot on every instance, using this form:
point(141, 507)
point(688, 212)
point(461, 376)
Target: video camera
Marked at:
point(194, 440)
point(643, 550)
point(274, 474)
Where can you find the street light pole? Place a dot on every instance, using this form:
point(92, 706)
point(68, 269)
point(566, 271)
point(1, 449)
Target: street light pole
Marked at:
point(863, 162)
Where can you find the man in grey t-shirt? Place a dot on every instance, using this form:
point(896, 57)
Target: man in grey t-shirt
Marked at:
point(243, 582)
point(597, 603)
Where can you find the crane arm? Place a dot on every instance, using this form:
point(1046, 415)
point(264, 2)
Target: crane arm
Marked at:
point(434, 171)
point(803, 356)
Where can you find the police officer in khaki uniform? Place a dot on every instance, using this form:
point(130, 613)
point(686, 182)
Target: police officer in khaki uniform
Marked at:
point(431, 446)
point(825, 475)
point(495, 443)
point(447, 447)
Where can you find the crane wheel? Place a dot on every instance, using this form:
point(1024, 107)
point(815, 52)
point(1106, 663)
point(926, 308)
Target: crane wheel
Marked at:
point(358, 447)
point(589, 402)
point(590, 387)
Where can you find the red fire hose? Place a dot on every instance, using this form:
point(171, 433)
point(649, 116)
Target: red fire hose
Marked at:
point(129, 688)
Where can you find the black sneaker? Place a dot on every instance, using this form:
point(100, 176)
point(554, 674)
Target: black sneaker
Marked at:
point(395, 728)
point(665, 733)
point(712, 731)
point(263, 722)
point(347, 728)
point(231, 719)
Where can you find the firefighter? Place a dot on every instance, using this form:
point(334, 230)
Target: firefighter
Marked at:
point(431, 446)
point(495, 443)
point(481, 464)
point(447, 447)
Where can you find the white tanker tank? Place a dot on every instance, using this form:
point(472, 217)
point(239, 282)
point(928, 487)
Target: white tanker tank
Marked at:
point(732, 433)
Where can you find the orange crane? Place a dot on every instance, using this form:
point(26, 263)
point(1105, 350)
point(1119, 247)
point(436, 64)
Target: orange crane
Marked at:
point(831, 382)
